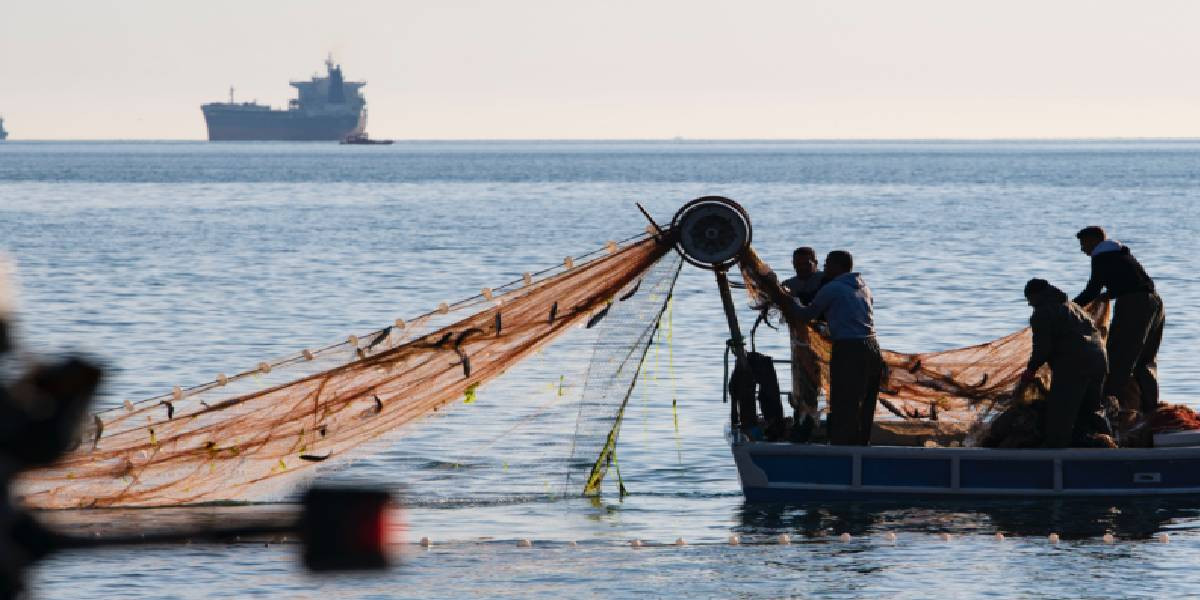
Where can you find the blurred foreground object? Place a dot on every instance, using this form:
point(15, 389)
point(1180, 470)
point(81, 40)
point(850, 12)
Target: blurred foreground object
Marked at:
point(40, 417)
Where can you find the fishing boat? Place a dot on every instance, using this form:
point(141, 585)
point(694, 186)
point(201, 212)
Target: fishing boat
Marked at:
point(714, 233)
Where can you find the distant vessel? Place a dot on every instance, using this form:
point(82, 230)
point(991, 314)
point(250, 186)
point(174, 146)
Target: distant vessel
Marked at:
point(3, 133)
point(362, 140)
point(328, 108)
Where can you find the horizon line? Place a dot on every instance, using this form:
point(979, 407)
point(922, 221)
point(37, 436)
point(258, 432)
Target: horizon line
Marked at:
point(649, 139)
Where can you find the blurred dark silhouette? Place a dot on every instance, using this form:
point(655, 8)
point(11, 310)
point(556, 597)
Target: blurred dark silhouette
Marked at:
point(41, 412)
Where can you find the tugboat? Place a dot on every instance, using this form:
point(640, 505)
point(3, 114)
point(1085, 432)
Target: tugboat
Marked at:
point(362, 139)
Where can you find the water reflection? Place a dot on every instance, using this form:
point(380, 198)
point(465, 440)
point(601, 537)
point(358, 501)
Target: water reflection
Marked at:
point(1126, 519)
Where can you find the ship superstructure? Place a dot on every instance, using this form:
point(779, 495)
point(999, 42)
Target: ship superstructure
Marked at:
point(327, 108)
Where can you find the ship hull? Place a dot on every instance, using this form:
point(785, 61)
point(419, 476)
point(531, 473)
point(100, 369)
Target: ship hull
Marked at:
point(232, 124)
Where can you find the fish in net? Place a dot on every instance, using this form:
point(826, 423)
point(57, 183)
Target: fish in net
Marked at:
point(249, 435)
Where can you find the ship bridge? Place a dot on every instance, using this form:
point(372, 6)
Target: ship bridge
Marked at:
point(329, 94)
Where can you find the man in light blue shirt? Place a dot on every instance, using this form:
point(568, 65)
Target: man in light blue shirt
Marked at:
point(857, 363)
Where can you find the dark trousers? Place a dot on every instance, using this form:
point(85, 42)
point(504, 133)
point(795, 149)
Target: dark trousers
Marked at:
point(1076, 391)
point(854, 372)
point(1133, 341)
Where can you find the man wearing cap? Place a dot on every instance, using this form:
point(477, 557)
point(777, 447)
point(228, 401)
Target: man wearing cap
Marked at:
point(856, 364)
point(1065, 338)
point(1137, 323)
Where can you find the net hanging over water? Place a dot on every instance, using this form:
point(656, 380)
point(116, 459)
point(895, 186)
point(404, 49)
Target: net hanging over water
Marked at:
point(619, 352)
point(245, 436)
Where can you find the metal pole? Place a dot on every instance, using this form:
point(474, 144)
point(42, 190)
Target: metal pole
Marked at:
point(735, 332)
point(736, 343)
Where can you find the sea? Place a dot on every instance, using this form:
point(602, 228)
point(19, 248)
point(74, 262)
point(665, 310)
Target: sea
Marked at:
point(170, 262)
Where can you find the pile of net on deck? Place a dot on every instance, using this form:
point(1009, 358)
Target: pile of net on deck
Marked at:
point(244, 436)
point(962, 388)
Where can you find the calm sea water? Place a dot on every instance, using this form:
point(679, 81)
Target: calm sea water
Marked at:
point(176, 261)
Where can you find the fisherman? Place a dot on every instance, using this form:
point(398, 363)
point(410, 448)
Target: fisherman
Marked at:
point(1137, 323)
point(1064, 337)
point(808, 279)
point(806, 385)
point(857, 364)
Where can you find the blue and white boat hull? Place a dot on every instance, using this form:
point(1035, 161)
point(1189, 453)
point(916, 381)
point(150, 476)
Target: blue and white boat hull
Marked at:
point(793, 472)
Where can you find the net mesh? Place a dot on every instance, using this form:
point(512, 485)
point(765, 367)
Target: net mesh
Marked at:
point(629, 325)
point(244, 436)
point(966, 385)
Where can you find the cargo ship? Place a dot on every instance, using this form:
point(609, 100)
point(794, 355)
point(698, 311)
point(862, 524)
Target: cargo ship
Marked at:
point(327, 108)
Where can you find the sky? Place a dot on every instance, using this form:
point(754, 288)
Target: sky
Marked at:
point(648, 69)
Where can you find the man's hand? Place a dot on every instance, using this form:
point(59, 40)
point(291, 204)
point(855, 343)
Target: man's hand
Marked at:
point(1027, 377)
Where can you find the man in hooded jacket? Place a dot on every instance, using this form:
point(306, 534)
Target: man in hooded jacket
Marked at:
point(1065, 338)
point(1137, 323)
point(857, 364)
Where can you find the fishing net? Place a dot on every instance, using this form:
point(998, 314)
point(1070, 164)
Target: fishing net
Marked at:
point(244, 436)
point(619, 353)
point(962, 385)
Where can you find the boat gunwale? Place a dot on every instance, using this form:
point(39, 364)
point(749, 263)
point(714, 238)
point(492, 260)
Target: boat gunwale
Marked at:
point(789, 448)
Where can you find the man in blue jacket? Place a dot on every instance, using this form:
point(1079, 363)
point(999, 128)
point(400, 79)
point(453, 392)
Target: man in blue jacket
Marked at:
point(1137, 322)
point(857, 363)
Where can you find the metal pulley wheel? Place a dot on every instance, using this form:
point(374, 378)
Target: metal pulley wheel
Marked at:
point(711, 232)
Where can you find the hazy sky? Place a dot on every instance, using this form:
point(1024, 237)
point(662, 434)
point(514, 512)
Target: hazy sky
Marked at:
point(641, 69)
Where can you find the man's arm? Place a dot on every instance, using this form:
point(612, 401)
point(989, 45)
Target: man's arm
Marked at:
point(1043, 341)
point(816, 308)
point(1092, 290)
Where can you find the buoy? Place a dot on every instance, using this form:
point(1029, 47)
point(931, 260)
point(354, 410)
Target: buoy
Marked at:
point(635, 543)
point(1108, 538)
point(784, 539)
point(845, 537)
point(1053, 538)
point(680, 542)
point(1164, 538)
point(734, 540)
point(945, 537)
point(425, 543)
point(889, 537)
point(999, 537)
point(523, 543)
